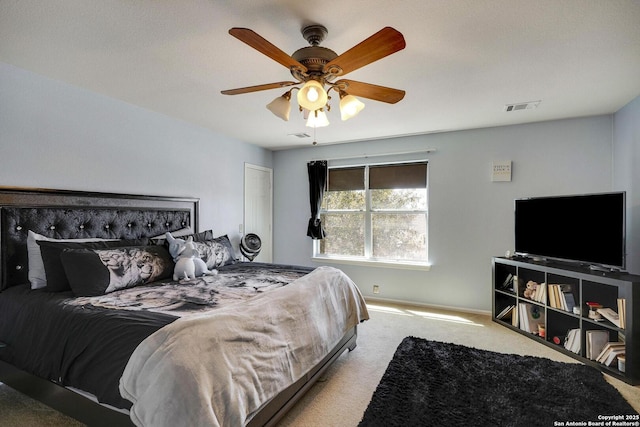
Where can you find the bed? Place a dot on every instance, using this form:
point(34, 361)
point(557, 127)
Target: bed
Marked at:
point(238, 346)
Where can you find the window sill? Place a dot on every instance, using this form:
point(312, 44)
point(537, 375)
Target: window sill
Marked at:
point(407, 265)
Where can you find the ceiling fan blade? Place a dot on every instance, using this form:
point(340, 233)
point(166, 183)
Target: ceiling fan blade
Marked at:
point(381, 44)
point(257, 88)
point(262, 45)
point(369, 91)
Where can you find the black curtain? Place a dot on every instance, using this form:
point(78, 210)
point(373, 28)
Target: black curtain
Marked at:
point(317, 185)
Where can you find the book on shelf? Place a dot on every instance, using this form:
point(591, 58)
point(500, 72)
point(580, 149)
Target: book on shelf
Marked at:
point(569, 300)
point(610, 352)
point(514, 317)
point(551, 290)
point(595, 341)
point(536, 291)
point(507, 312)
point(530, 317)
point(608, 348)
point(572, 341)
point(554, 296)
point(610, 315)
point(561, 297)
point(622, 312)
point(541, 293)
point(523, 320)
point(508, 282)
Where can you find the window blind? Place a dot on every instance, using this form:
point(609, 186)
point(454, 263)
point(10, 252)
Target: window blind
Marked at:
point(409, 175)
point(346, 179)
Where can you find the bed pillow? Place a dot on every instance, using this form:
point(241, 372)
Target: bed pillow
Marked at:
point(37, 276)
point(53, 268)
point(93, 272)
point(216, 252)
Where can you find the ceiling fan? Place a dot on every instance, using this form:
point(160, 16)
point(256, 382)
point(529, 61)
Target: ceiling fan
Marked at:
point(316, 67)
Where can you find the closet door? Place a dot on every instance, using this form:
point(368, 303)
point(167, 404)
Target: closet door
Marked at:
point(258, 207)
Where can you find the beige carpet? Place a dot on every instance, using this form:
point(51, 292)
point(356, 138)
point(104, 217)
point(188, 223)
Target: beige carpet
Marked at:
point(342, 399)
point(17, 410)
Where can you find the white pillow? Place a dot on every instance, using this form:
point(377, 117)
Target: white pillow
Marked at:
point(37, 276)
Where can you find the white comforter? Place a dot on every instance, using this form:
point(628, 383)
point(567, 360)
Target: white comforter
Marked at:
point(217, 369)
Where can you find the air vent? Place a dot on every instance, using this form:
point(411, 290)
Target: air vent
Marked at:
point(300, 135)
point(522, 106)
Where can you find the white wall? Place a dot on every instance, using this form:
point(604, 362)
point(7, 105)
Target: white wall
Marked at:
point(471, 218)
point(54, 135)
point(626, 131)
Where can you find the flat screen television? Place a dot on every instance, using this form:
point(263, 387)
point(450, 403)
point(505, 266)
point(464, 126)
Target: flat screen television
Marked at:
point(585, 229)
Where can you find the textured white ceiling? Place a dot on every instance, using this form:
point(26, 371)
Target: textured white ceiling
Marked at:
point(463, 62)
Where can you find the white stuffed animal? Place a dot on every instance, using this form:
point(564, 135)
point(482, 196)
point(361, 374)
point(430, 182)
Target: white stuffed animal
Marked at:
point(187, 259)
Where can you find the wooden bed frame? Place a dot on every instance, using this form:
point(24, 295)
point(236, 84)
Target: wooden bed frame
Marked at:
point(74, 404)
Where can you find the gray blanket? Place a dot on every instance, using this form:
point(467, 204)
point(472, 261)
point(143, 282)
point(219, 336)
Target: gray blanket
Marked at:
point(238, 283)
point(219, 368)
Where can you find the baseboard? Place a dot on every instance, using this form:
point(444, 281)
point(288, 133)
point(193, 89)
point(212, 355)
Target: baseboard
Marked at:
point(423, 305)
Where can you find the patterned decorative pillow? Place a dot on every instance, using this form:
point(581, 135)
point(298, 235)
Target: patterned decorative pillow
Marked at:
point(53, 268)
point(216, 252)
point(94, 272)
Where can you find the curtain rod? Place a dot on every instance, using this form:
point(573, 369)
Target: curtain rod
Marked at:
point(366, 156)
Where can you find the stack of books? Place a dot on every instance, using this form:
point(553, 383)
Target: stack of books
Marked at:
point(561, 297)
point(596, 340)
point(610, 353)
point(572, 342)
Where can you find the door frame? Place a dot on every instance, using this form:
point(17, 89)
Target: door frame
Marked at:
point(269, 171)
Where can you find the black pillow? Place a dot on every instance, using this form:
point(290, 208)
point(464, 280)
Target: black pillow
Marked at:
point(94, 272)
point(53, 269)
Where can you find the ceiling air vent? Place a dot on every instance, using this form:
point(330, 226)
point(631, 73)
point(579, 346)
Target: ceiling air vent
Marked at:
point(522, 106)
point(300, 135)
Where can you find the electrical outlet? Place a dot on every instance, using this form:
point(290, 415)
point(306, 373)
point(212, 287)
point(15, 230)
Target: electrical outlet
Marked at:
point(376, 289)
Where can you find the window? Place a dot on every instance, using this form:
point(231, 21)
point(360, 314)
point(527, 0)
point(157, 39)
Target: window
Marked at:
point(376, 213)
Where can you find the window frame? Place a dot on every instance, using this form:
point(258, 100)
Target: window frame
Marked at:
point(368, 212)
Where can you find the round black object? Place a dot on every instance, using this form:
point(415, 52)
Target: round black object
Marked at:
point(250, 246)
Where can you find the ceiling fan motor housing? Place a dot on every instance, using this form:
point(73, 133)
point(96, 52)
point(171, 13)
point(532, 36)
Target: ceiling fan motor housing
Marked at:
point(314, 57)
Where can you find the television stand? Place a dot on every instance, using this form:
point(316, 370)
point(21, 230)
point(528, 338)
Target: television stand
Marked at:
point(558, 310)
point(603, 269)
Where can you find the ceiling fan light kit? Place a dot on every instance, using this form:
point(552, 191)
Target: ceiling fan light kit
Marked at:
point(350, 106)
point(281, 106)
point(317, 119)
point(315, 67)
point(312, 96)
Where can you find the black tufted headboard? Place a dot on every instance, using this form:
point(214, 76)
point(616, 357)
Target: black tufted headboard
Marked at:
point(73, 215)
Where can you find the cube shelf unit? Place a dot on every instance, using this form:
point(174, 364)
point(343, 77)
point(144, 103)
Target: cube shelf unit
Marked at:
point(584, 285)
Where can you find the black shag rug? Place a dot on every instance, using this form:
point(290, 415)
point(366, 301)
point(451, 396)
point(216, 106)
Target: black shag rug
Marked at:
point(431, 383)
